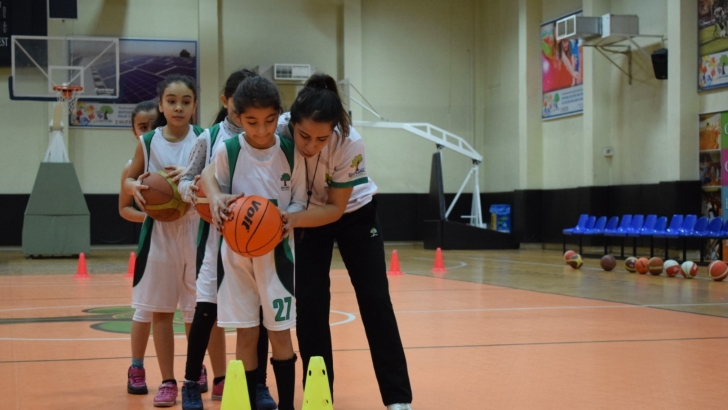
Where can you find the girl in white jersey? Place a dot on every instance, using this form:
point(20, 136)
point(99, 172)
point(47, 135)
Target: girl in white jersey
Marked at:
point(142, 118)
point(164, 275)
point(340, 196)
point(203, 330)
point(255, 163)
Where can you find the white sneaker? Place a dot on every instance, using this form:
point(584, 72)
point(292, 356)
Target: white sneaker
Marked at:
point(399, 406)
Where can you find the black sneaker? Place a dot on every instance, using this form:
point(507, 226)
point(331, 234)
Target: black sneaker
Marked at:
point(191, 397)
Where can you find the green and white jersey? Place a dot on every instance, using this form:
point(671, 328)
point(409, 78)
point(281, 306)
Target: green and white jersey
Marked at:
point(263, 172)
point(342, 164)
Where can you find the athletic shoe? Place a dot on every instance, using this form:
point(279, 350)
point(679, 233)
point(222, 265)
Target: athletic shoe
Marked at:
point(191, 398)
point(399, 406)
point(166, 396)
point(217, 390)
point(263, 398)
point(136, 381)
point(203, 380)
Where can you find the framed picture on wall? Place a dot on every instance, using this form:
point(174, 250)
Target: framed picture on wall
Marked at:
point(712, 44)
point(562, 73)
point(143, 63)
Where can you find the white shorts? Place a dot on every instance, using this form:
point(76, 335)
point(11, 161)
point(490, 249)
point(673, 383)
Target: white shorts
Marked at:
point(207, 276)
point(251, 283)
point(164, 275)
point(144, 316)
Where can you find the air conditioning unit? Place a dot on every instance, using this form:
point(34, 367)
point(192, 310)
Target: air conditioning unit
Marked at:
point(616, 26)
point(297, 72)
point(578, 27)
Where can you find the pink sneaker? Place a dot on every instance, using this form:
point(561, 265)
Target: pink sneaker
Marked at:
point(203, 380)
point(166, 396)
point(136, 381)
point(217, 390)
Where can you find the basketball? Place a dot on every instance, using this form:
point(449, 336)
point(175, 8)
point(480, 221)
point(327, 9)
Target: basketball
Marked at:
point(672, 268)
point(608, 262)
point(255, 227)
point(575, 261)
point(718, 270)
point(642, 266)
point(689, 270)
point(629, 264)
point(568, 256)
point(163, 201)
point(202, 204)
point(654, 265)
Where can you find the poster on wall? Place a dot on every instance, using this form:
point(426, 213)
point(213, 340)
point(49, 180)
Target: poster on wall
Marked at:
point(712, 44)
point(713, 174)
point(562, 73)
point(142, 65)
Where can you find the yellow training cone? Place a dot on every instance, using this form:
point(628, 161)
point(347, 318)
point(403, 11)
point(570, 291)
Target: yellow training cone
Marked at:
point(317, 395)
point(236, 388)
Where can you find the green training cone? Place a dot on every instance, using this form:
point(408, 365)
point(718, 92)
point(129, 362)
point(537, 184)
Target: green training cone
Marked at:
point(317, 395)
point(236, 388)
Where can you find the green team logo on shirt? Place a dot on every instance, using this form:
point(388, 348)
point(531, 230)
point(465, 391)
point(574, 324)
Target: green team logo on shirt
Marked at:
point(285, 178)
point(329, 180)
point(373, 232)
point(357, 160)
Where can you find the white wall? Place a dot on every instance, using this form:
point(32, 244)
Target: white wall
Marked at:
point(453, 64)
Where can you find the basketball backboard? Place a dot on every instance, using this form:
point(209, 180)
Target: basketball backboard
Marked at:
point(39, 63)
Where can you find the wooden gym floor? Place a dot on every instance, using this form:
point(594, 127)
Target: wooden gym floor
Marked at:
point(501, 330)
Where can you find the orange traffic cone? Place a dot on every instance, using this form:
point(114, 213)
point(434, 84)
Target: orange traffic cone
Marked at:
point(81, 271)
point(132, 263)
point(439, 263)
point(394, 265)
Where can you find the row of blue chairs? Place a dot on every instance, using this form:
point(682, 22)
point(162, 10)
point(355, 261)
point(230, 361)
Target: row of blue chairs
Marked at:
point(652, 226)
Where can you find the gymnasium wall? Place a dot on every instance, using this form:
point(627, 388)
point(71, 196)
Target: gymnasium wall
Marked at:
point(454, 64)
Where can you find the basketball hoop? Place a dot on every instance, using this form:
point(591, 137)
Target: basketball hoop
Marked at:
point(68, 94)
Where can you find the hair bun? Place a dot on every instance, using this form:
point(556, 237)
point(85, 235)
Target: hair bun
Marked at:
point(322, 81)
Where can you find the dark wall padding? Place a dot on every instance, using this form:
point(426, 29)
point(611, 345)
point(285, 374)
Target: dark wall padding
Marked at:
point(536, 215)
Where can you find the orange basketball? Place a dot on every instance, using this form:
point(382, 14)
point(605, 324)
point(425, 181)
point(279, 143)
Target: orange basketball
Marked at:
point(163, 200)
point(255, 227)
point(202, 204)
point(654, 265)
point(718, 270)
point(642, 266)
point(568, 256)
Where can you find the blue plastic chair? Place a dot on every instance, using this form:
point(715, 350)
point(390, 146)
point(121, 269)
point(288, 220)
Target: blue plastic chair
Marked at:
point(701, 226)
point(612, 225)
point(714, 227)
point(611, 228)
point(660, 226)
point(598, 228)
point(638, 221)
point(580, 227)
point(724, 231)
point(620, 231)
point(645, 229)
point(672, 231)
point(686, 230)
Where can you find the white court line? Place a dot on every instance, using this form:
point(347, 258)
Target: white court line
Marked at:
point(460, 265)
point(349, 318)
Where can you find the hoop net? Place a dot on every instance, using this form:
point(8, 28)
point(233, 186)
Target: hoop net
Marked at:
point(68, 94)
